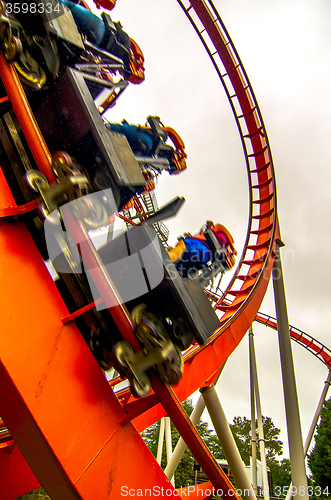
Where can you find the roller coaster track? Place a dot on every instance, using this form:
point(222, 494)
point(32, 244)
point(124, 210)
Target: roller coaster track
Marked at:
point(50, 410)
point(312, 345)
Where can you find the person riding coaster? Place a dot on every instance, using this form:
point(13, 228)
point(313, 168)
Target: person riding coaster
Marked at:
point(149, 144)
point(41, 49)
point(110, 36)
point(193, 253)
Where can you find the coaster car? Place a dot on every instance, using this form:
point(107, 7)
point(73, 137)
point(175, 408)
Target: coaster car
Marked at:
point(95, 171)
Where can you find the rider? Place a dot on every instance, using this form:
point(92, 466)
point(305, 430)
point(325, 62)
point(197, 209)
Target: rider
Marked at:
point(150, 142)
point(194, 252)
point(110, 36)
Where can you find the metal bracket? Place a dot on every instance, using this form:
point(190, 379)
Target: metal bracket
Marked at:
point(134, 365)
point(69, 186)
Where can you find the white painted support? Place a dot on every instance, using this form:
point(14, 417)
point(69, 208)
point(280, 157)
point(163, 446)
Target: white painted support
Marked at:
point(253, 440)
point(294, 432)
point(313, 424)
point(228, 443)
point(160, 443)
point(181, 445)
point(257, 400)
point(167, 427)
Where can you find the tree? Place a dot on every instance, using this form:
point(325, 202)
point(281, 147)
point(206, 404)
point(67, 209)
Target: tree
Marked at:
point(183, 474)
point(241, 429)
point(242, 432)
point(319, 460)
point(280, 472)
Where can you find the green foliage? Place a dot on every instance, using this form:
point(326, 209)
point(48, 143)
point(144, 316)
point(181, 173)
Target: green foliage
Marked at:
point(183, 475)
point(280, 472)
point(319, 460)
point(242, 432)
point(241, 429)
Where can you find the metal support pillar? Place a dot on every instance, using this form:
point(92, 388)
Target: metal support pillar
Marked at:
point(160, 443)
point(167, 426)
point(319, 408)
point(257, 401)
point(298, 469)
point(228, 443)
point(181, 445)
point(310, 435)
point(193, 440)
point(253, 440)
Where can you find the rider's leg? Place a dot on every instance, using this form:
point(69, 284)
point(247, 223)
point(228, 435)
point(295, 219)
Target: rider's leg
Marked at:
point(87, 22)
point(177, 253)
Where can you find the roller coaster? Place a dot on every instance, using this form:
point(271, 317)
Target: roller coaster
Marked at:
point(64, 174)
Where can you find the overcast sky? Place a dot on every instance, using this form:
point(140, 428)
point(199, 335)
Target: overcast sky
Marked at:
point(285, 48)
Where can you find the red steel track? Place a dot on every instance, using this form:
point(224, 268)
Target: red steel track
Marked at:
point(52, 390)
point(315, 347)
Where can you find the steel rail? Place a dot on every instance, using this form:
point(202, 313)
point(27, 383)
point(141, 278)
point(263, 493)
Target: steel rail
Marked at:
point(26, 119)
point(259, 164)
point(319, 350)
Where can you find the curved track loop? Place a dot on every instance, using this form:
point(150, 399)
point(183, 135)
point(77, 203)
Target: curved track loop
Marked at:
point(319, 350)
point(262, 226)
point(243, 297)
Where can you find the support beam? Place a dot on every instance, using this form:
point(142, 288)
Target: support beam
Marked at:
point(298, 469)
point(167, 426)
point(253, 427)
point(317, 413)
point(181, 445)
point(313, 424)
point(194, 418)
point(257, 401)
point(193, 440)
point(48, 412)
point(228, 443)
point(160, 443)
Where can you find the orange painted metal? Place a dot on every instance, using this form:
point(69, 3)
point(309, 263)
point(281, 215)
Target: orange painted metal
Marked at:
point(164, 394)
point(129, 221)
point(136, 63)
point(16, 211)
point(26, 119)
point(202, 491)
point(106, 4)
point(6, 197)
point(16, 477)
point(193, 440)
point(49, 411)
point(180, 153)
point(53, 391)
